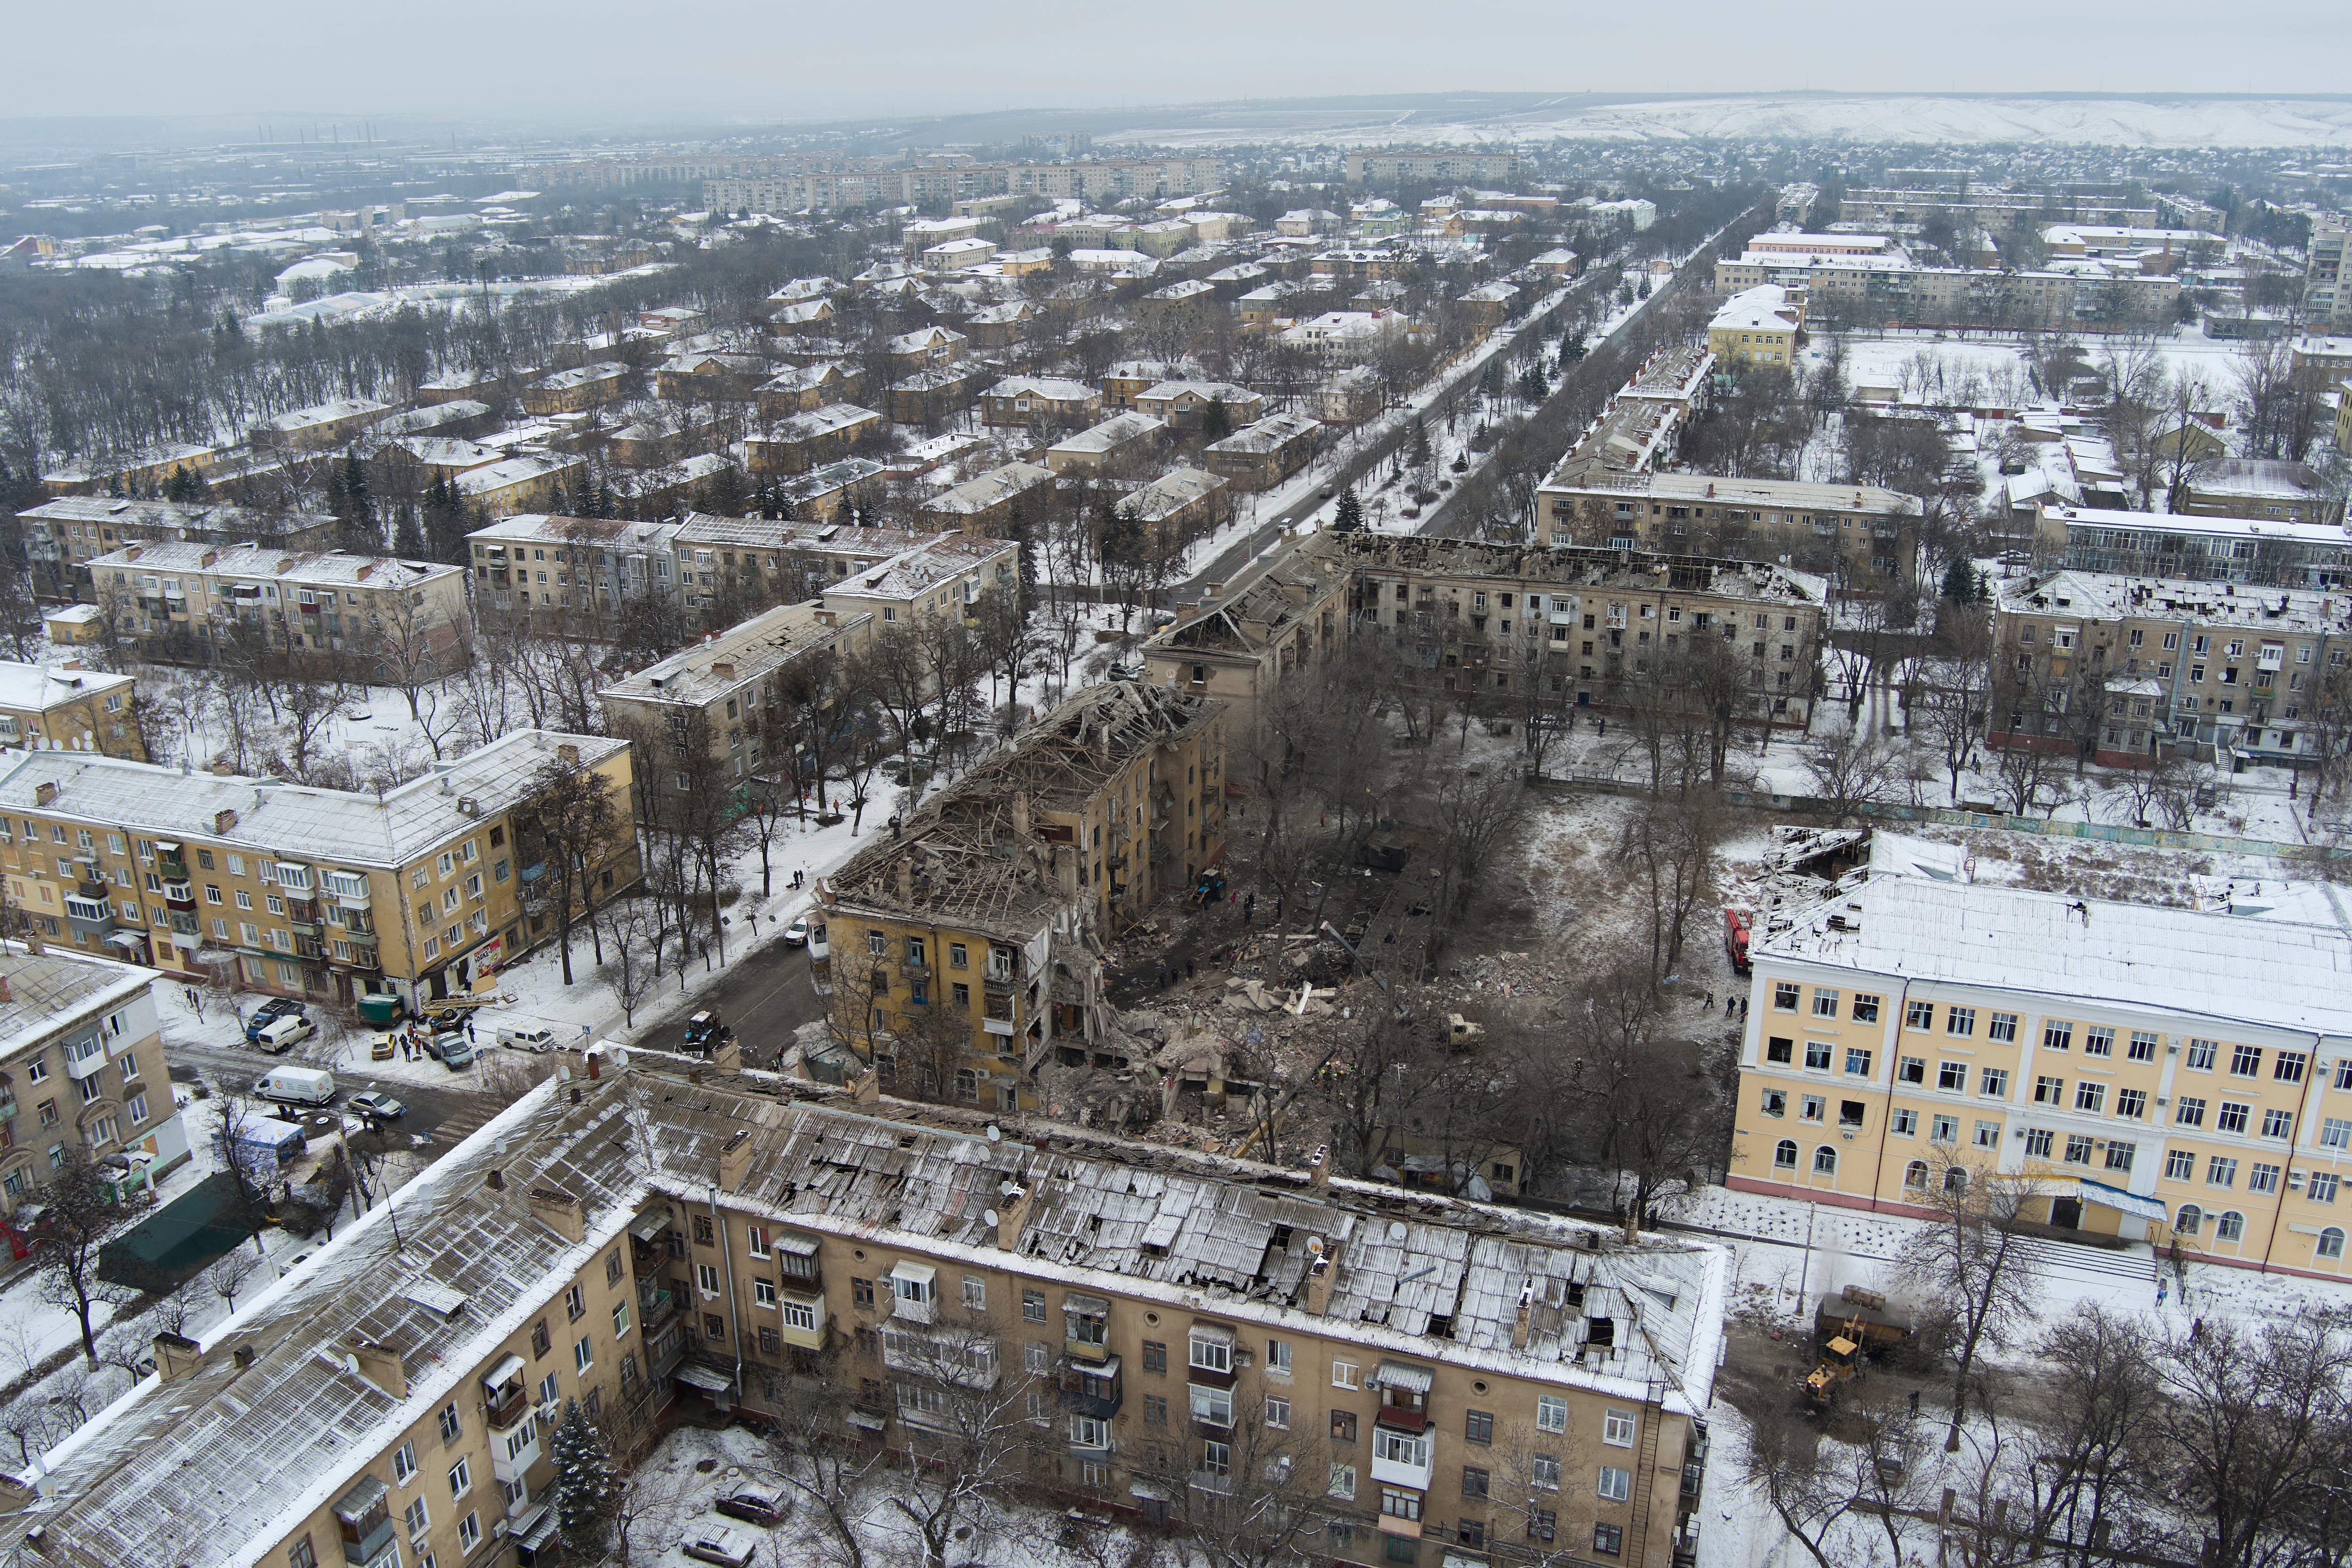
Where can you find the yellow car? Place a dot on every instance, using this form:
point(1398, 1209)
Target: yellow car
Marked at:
point(379, 1050)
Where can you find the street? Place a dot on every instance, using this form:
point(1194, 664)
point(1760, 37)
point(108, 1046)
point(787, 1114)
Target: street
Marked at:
point(441, 1116)
point(763, 996)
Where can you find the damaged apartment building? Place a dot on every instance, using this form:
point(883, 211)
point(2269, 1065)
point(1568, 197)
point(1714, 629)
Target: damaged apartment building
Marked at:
point(1162, 1334)
point(966, 950)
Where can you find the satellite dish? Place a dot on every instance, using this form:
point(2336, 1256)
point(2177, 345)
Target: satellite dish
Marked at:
point(989, 1216)
point(995, 1134)
point(1315, 1246)
point(620, 1059)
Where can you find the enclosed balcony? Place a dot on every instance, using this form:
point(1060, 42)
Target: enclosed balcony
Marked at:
point(363, 1519)
point(1091, 1388)
point(506, 1397)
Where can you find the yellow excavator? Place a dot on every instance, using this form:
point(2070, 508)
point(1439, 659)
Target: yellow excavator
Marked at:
point(1854, 1323)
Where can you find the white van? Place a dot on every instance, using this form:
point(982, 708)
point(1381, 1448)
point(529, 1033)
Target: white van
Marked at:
point(296, 1085)
point(283, 1034)
point(528, 1039)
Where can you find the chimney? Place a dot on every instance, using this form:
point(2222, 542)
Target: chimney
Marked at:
point(1519, 1323)
point(177, 1356)
point(382, 1365)
point(906, 870)
point(4, 996)
point(1320, 1273)
point(735, 1161)
point(723, 669)
point(560, 1212)
point(1012, 1206)
point(223, 819)
point(45, 791)
point(496, 1181)
point(243, 1356)
point(866, 1088)
point(1020, 814)
point(568, 755)
point(1318, 1167)
point(16, 1494)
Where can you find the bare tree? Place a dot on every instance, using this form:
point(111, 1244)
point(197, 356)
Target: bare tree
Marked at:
point(1852, 770)
point(965, 1423)
point(2253, 1426)
point(80, 1212)
point(225, 1277)
point(1972, 1256)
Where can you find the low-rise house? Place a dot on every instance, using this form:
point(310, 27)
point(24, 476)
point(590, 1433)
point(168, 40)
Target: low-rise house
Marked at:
point(724, 693)
point(704, 376)
point(1757, 326)
point(1350, 397)
point(1119, 440)
point(1300, 221)
point(2267, 487)
point(1128, 379)
point(922, 234)
point(64, 535)
point(805, 388)
point(467, 385)
point(423, 890)
point(1489, 306)
point(64, 706)
point(1263, 309)
point(1182, 504)
point(958, 254)
point(437, 456)
point(1026, 402)
point(1283, 615)
point(321, 427)
point(1001, 326)
point(1347, 336)
point(647, 442)
point(941, 578)
point(803, 441)
point(802, 317)
point(82, 1065)
point(143, 472)
point(592, 385)
point(190, 603)
point(1183, 405)
point(989, 502)
point(1559, 263)
point(521, 482)
point(1260, 456)
point(758, 559)
point(922, 349)
point(938, 392)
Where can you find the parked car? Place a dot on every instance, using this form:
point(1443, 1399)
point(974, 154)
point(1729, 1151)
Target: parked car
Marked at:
point(754, 1504)
point(453, 1050)
point(283, 1033)
point(376, 1105)
point(268, 1013)
point(296, 1085)
point(797, 934)
point(527, 1039)
point(383, 1049)
point(720, 1543)
point(1126, 671)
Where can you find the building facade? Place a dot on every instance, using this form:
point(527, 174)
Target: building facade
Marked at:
point(63, 707)
point(425, 890)
point(61, 537)
point(1863, 537)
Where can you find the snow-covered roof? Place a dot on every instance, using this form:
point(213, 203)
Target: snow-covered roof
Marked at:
point(831, 418)
point(300, 568)
point(1054, 389)
point(1170, 492)
point(597, 533)
point(990, 489)
point(1268, 434)
point(1764, 307)
point(583, 375)
point(45, 993)
point(1115, 431)
point(272, 817)
point(39, 687)
point(1913, 916)
point(737, 656)
point(520, 469)
point(319, 414)
point(2115, 596)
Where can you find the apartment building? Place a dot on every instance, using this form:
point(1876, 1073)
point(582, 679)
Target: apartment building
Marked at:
point(1281, 615)
point(81, 1060)
point(942, 577)
point(966, 947)
point(1641, 428)
point(1183, 405)
point(782, 561)
point(321, 427)
point(2169, 1074)
point(987, 503)
point(2245, 551)
point(522, 482)
point(1023, 402)
point(2255, 675)
point(423, 890)
point(591, 386)
point(1588, 628)
point(1456, 166)
point(148, 469)
point(936, 393)
point(800, 442)
point(2268, 487)
point(1120, 440)
point(1884, 206)
point(727, 686)
point(62, 536)
point(551, 566)
point(1757, 326)
point(1892, 288)
point(1182, 504)
point(2326, 299)
point(63, 707)
point(805, 388)
point(1862, 537)
point(185, 603)
point(1542, 1379)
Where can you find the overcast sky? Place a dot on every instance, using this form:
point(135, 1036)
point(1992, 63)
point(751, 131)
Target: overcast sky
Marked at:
point(591, 60)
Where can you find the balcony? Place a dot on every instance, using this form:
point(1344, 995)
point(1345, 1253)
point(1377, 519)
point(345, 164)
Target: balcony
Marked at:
point(504, 1399)
point(363, 1519)
point(804, 1318)
point(82, 1066)
point(663, 1351)
point(513, 1456)
point(1091, 1388)
point(1401, 1461)
point(1219, 1482)
point(654, 1306)
point(179, 895)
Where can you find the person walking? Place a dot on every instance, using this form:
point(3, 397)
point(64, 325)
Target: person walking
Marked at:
point(469, 1029)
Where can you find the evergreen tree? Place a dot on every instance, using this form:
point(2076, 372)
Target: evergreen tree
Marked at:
point(586, 1485)
point(1419, 444)
point(184, 486)
point(1349, 516)
point(408, 539)
point(1216, 421)
point(1960, 581)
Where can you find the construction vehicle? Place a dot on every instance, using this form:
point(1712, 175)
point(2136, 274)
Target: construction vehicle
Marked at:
point(1848, 1328)
point(1737, 924)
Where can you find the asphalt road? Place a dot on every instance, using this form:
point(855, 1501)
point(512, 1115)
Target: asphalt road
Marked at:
point(440, 1116)
point(763, 996)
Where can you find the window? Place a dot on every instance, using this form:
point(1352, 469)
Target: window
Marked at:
point(1552, 1412)
point(2078, 1149)
point(1617, 1428)
point(2049, 1091)
point(2131, 1104)
point(2200, 1056)
point(1850, 1112)
point(1343, 1482)
point(2119, 1155)
point(975, 1293)
point(764, 1292)
point(1155, 1357)
point(612, 1265)
point(1278, 1412)
point(1817, 1055)
point(2037, 1143)
point(2190, 1219)
point(2188, 1111)
point(2277, 1123)
point(2220, 1171)
point(1343, 1426)
point(1918, 1014)
point(1784, 1154)
point(1544, 1472)
point(582, 1357)
point(1211, 1353)
point(1155, 1410)
point(1277, 1358)
point(576, 1300)
point(861, 1294)
point(1784, 996)
point(301, 1555)
point(1826, 1002)
point(619, 1318)
point(449, 1423)
point(1993, 1083)
point(2232, 1117)
point(1905, 1124)
point(416, 1517)
point(469, 1532)
point(2142, 1048)
point(2245, 1062)
point(1474, 1482)
point(2002, 1026)
point(1608, 1540)
point(2290, 1067)
point(1824, 1160)
point(1911, 1069)
point(1542, 1522)
point(1866, 1009)
point(461, 1478)
point(1952, 1076)
point(2342, 1074)
point(2323, 1187)
point(1616, 1484)
point(2180, 1165)
point(2230, 1227)
point(2262, 1178)
point(2091, 1097)
point(2098, 1040)
point(2057, 1035)
point(706, 1278)
point(1478, 1426)
point(403, 1464)
point(1343, 1374)
point(1857, 1062)
point(1988, 1135)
